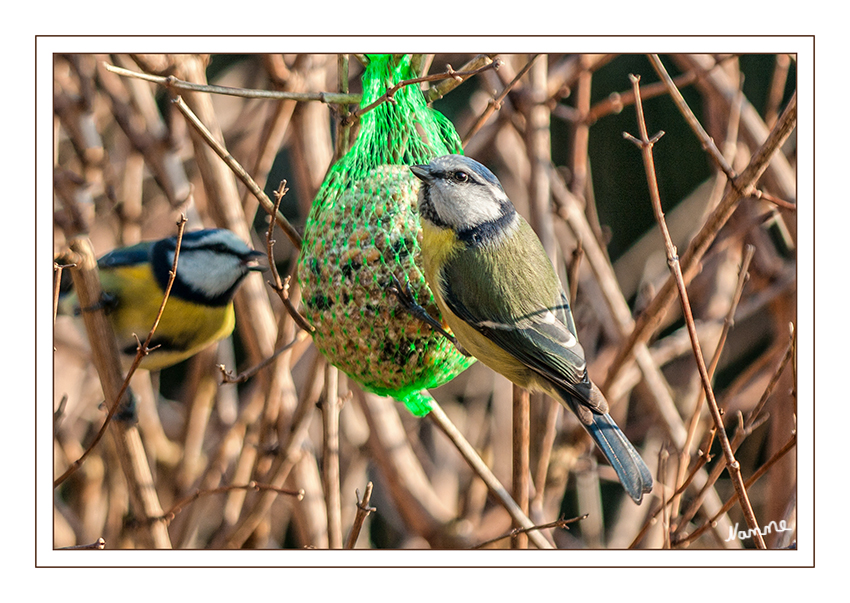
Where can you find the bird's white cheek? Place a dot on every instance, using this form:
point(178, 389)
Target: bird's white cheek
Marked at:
point(209, 273)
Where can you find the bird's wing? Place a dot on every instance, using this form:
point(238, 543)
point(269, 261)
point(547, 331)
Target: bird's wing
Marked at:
point(543, 339)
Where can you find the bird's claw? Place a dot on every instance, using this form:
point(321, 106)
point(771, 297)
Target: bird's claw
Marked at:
point(403, 293)
point(405, 297)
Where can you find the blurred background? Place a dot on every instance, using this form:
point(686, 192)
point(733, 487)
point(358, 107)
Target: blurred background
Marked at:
point(127, 164)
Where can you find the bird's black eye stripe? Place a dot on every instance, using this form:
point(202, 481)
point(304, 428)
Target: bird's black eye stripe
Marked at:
point(458, 176)
point(215, 247)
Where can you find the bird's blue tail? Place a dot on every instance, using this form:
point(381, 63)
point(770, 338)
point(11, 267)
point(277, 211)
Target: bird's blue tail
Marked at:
point(630, 468)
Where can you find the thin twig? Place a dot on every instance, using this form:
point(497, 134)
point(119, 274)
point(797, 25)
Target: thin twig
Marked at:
point(237, 169)
point(275, 128)
point(753, 415)
point(282, 466)
point(679, 491)
point(134, 111)
point(449, 73)
point(343, 127)
point(405, 480)
point(558, 523)
point(293, 311)
point(282, 288)
point(649, 320)
point(177, 84)
point(520, 465)
point(765, 196)
point(580, 160)
point(617, 101)
point(494, 104)
point(728, 322)
point(686, 538)
point(573, 271)
point(793, 357)
point(476, 65)
point(228, 377)
point(752, 421)
point(330, 456)
point(172, 274)
point(721, 86)
point(471, 456)
point(252, 486)
point(663, 455)
point(421, 63)
point(59, 412)
point(777, 89)
point(363, 511)
point(732, 465)
point(547, 443)
point(57, 279)
point(706, 140)
point(97, 545)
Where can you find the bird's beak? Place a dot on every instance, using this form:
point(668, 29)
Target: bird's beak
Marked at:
point(251, 261)
point(422, 172)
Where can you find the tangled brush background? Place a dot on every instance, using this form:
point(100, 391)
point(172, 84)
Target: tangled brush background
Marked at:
point(297, 455)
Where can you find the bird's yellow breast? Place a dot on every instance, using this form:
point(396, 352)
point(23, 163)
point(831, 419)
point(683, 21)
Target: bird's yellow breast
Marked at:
point(184, 329)
point(439, 245)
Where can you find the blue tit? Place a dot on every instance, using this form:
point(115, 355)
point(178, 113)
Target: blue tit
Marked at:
point(211, 266)
point(499, 294)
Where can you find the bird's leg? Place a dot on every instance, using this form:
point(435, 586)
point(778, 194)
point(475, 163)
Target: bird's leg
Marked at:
point(127, 411)
point(405, 298)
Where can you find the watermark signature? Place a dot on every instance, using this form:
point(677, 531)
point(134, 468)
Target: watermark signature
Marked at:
point(768, 529)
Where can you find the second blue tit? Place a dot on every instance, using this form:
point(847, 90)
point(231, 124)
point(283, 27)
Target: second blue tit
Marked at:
point(211, 266)
point(499, 294)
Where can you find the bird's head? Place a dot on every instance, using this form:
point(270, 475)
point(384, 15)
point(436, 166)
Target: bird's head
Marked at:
point(210, 267)
point(459, 193)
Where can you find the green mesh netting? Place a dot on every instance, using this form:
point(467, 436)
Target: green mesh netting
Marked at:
point(362, 230)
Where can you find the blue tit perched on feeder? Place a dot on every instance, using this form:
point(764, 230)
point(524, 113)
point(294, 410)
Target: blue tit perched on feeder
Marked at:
point(499, 294)
point(199, 311)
